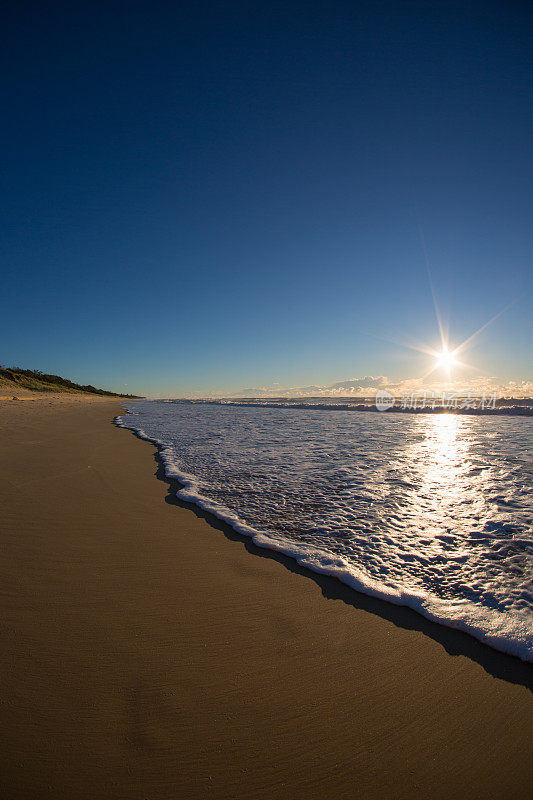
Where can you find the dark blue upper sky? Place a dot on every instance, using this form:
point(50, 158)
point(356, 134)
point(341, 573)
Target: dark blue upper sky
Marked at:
point(212, 196)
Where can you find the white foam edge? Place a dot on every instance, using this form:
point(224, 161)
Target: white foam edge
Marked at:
point(512, 637)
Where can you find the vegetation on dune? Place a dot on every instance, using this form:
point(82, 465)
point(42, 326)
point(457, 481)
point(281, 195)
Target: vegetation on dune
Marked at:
point(36, 381)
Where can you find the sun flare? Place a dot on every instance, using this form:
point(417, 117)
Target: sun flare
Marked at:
point(446, 360)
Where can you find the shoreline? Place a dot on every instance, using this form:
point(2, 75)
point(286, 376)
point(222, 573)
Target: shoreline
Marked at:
point(498, 663)
point(147, 655)
point(187, 492)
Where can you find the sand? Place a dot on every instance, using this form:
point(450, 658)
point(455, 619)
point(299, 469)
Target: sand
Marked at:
point(148, 652)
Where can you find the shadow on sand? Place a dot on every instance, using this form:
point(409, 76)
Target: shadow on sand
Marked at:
point(456, 643)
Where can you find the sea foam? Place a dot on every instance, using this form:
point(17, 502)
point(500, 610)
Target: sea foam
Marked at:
point(434, 513)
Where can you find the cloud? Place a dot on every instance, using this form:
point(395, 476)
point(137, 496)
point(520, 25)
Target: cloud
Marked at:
point(367, 385)
point(355, 387)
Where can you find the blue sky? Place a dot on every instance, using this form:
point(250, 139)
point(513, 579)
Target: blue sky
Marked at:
point(208, 197)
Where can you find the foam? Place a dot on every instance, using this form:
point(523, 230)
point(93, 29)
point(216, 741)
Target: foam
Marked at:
point(477, 608)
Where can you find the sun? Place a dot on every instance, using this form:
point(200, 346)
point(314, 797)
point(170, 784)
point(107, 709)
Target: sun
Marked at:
point(446, 360)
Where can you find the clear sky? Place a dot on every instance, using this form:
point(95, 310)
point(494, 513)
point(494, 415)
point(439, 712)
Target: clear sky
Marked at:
point(206, 197)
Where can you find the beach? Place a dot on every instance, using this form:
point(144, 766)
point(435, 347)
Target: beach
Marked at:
point(148, 651)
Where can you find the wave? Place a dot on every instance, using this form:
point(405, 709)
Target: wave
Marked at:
point(502, 408)
point(508, 634)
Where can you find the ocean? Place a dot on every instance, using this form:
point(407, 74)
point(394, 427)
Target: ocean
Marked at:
point(433, 511)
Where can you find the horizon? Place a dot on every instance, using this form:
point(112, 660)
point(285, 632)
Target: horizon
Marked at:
point(212, 202)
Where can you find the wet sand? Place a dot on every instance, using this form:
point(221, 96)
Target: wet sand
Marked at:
point(149, 652)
